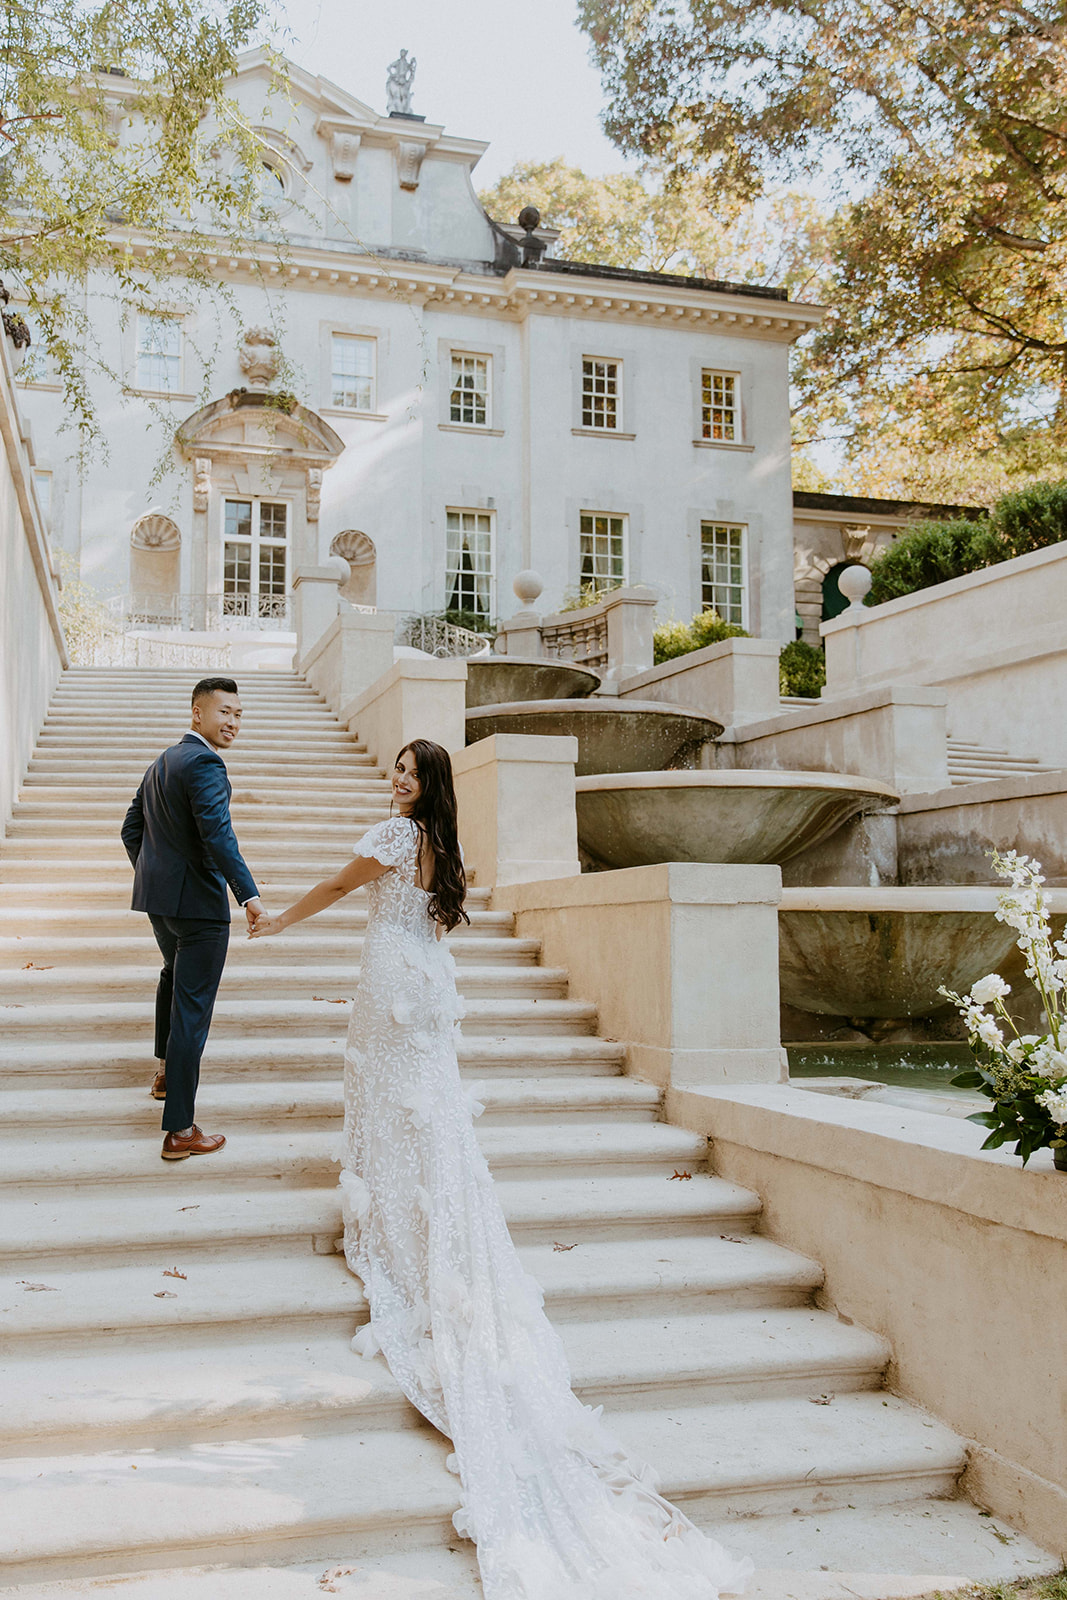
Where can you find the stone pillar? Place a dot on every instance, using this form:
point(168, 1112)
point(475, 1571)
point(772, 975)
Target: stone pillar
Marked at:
point(628, 614)
point(354, 652)
point(316, 602)
point(517, 816)
point(681, 960)
point(415, 699)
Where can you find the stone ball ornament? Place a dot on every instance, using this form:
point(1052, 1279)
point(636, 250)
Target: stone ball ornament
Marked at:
point(528, 585)
point(855, 584)
point(529, 219)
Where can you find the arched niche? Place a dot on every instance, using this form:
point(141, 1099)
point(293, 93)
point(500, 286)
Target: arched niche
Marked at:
point(358, 550)
point(155, 555)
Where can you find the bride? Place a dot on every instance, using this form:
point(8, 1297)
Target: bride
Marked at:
point(556, 1508)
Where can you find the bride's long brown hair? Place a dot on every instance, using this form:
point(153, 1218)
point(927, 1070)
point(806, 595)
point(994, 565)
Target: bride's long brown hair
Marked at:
point(435, 813)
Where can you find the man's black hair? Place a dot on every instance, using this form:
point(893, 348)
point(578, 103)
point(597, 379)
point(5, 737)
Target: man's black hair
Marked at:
point(208, 686)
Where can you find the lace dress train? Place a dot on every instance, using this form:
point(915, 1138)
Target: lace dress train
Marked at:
point(557, 1509)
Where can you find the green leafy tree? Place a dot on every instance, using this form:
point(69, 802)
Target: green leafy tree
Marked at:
point(947, 126)
point(123, 158)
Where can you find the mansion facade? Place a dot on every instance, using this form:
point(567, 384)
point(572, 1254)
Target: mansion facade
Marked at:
point(429, 393)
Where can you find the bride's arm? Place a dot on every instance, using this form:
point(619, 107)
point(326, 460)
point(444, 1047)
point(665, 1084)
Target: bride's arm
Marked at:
point(360, 870)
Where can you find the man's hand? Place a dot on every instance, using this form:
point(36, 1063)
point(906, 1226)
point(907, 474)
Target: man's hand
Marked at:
point(254, 909)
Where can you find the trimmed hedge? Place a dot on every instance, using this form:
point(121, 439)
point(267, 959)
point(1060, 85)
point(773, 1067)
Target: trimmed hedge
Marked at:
point(801, 670)
point(679, 638)
point(932, 552)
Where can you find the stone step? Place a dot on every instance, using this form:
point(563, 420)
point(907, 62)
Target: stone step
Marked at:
point(104, 913)
point(53, 815)
point(322, 737)
point(72, 783)
point(131, 1400)
point(244, 981)
point(311, 950)
point(286, 845)
point(302, 1103)
point(127, 1063)
point(272, 760)
point(368, 1493)
point(299, 1157)
point(222, 1301)
point(877, 1552)
point(262, 1020)
point(52, 1228)
point(157, 718)
point(127, 983)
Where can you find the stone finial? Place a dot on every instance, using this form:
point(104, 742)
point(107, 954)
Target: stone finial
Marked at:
point(399, 85)
point(258, 356)
point(855, 583)
point(528, 585)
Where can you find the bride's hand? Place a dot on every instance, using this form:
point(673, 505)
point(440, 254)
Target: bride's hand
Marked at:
point(265, 926)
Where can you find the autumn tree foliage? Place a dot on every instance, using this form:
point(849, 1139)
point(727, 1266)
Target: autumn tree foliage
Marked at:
point(939, 131)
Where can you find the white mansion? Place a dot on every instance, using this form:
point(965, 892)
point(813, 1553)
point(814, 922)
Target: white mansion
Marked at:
point(468, 406)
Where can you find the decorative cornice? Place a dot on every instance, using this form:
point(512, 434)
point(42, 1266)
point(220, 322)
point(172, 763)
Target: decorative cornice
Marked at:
point(522, 292)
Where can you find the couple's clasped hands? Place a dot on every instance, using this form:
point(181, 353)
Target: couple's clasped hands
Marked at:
point(260, 922)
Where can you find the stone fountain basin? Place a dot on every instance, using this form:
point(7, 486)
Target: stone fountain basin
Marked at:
point(855, 952)
point(498, 680)
point(635, 819)
point(629, 736)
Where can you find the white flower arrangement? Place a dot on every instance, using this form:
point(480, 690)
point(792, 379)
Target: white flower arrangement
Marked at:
point(1025, 1075)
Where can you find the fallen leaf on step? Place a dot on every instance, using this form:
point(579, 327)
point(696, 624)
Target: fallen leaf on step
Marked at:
point(165, 1294)
point(189, 1208)
point(677, 1174)
point(172, 1272)
point(38, 1287)
point(328, 1002)
point(729, 1238)
point(821, 1399)
point(35, 966)
point(556, 1246)
point(328, 1581)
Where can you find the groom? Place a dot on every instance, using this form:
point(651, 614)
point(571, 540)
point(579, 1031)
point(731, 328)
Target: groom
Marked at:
point(179, 839)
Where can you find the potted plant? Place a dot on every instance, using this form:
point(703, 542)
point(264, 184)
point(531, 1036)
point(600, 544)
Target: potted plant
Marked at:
point(1025, 1075)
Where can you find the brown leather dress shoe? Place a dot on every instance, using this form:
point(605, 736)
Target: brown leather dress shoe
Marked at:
point(179, 1146)
point(158, 1090)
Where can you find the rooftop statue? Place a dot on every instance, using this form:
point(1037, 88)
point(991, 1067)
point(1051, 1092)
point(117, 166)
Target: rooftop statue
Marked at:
point(398, 85)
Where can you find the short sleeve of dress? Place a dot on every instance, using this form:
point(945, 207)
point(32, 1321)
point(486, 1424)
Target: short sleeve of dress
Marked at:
point(391, 842)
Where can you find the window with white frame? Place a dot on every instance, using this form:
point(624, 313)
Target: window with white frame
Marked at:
point(601, 393)
point(159, 353)
point(719, 414)
point(469, 562)
point(255, 558)
point(469, 399)
point(352, 362)
point(723, 586)
point(602, 548)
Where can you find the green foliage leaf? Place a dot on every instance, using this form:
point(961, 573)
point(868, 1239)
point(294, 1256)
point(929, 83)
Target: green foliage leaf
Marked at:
point(675, 639)
point(801, 670)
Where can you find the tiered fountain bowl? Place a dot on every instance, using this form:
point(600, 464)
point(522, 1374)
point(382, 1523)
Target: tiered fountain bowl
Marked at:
point(635, 819)
point(494, 680)
point(858, 952)
point(613, 735)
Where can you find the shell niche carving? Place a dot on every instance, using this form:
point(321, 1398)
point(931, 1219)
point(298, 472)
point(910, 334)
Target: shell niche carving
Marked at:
point(258, 356)
point(154, 531)
point(355, 547)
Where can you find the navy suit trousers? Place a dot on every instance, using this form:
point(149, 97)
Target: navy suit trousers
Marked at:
point(194, 954)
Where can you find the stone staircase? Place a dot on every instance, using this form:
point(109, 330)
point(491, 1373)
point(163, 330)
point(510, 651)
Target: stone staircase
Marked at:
point(976, 763)
point(183, 1416)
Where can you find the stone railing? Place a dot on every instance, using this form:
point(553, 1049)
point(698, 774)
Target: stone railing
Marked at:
point(203, 613)
point(117, 649)
point(444, 640)
point(580, 636)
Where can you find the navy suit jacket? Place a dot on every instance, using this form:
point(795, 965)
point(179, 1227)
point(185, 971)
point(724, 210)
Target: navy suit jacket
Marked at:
point(179, 839)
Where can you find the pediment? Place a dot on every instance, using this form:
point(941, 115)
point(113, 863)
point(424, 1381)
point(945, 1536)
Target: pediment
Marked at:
point(322, 95)
point(250, 422)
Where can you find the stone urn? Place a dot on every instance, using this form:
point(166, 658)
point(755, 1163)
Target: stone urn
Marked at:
point(258, 357)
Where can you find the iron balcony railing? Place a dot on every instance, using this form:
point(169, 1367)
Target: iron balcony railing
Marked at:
point(203, 613)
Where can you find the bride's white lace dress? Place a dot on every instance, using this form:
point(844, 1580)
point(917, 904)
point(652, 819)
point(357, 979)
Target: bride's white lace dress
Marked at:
point(557, 1509)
